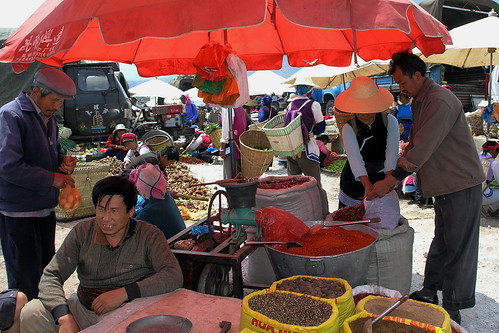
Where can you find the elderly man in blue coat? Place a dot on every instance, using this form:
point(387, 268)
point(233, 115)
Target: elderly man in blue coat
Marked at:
point(32, 170)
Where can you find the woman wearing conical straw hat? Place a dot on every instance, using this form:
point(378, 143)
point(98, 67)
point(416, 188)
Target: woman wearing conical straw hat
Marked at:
point(370, 139)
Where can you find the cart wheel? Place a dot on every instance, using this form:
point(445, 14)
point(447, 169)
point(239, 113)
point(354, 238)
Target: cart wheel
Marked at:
point(218, 232)
point(214, 280)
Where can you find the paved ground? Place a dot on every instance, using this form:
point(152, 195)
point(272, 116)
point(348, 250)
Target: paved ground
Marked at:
point(483, 318)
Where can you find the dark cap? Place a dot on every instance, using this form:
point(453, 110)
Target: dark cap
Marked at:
point(55, 80)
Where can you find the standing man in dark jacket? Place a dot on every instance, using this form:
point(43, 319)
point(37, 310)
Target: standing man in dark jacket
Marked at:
point(32, 170)
point(442, 152)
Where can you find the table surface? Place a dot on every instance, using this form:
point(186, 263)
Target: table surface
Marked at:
point(204, 311)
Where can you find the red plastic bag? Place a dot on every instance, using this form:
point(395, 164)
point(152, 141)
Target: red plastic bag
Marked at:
point(210, 61)
point(280, 225)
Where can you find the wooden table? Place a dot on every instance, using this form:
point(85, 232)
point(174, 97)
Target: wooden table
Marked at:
point(204, 311)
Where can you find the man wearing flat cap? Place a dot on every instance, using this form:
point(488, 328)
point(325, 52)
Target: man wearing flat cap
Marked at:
point(32, 170)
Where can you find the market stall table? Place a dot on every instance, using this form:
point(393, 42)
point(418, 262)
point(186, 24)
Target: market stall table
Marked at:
point(204, 311)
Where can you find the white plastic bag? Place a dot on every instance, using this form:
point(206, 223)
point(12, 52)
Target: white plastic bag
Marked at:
point(386, 208)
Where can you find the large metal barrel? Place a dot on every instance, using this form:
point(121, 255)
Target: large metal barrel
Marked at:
point(351, 266)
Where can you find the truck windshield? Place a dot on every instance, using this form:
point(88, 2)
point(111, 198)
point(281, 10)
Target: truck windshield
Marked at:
point(92, 80)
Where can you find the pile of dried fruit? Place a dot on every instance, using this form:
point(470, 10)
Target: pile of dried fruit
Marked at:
point(291, 309)
point(180, 178)
point(190, 160)
point(323, 288)
point(115, 165)
point(351, 213)
point(281, 184)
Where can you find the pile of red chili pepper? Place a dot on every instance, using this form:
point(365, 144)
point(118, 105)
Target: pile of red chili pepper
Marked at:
point(329, 242)
point(280, 185)
point(351, 213)
point(190, 160)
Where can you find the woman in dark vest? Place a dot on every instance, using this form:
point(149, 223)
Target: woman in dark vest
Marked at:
point(370, 139)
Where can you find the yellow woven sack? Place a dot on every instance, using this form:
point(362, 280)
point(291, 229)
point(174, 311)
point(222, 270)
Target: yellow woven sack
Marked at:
point(345, 303)
point(257, 322)
point(364, 314)
point(408, 313)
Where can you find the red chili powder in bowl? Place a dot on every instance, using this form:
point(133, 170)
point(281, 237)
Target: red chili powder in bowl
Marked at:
point(329, 242)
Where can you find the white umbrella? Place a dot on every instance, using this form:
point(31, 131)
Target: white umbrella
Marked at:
point(474, 44)
point(327, 76)
point(267, 82)
point(156, 88)
point(193, 94)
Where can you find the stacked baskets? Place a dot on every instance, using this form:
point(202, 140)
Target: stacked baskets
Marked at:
point(256, 153)
point(284, 140)
point(157, 140)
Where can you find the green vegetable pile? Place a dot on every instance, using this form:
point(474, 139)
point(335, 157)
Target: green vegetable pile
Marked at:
point(336, 166)
point(210, 128)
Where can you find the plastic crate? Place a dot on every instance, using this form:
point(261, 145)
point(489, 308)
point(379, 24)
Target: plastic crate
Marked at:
point(285, 140)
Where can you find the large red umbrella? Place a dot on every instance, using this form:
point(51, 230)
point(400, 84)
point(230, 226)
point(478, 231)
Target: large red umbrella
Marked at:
point(163, 36)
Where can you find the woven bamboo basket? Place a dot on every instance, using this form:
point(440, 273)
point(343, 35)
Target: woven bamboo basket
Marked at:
point(215, 137)
point(284, 140)
point(157, 140)
point(257, 126)
point(158, 143)
point(256, 153)
point(85, 176)
point(341, 119)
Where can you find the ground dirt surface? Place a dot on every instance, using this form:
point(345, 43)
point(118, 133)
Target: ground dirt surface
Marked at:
point(483, 318)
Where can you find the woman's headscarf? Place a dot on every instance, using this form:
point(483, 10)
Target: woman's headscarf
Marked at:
point(149, 181)
point(302, 89)
point(187, 99)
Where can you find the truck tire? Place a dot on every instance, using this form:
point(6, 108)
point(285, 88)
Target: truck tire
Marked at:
point(329, 108)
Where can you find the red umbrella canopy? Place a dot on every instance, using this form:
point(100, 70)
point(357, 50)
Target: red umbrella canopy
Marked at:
point(162, 37)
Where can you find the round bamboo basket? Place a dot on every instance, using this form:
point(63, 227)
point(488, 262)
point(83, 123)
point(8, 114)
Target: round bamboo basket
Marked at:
point(215, 137)
point(256, 153)
point(341, 119)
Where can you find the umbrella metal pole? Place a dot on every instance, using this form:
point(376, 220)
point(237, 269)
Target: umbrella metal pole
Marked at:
point(491, 51)
point(489, 97)
point(233, 169)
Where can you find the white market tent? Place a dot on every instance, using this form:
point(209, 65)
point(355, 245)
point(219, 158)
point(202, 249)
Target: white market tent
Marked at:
point(266, 83)
point(193, 94)
point(157, 88)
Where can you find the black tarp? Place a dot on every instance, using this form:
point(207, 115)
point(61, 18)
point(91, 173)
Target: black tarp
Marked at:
point(11, 84)
point(454, 13)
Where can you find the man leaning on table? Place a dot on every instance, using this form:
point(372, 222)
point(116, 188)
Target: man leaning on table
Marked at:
point(117, 259)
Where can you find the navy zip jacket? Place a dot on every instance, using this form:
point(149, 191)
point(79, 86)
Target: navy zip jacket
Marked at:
point(30, 154)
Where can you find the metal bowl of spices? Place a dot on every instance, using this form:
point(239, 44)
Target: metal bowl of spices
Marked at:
point(339, 252)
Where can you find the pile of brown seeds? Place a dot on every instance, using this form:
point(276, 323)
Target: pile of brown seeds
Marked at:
point(316, 287)
point(384, 326)
point(291, 309)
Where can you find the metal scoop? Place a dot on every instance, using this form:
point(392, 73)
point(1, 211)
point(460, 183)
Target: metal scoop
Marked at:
point(288, 244)
point(368, 325)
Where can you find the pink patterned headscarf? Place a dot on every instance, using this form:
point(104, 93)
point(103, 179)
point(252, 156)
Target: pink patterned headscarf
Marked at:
point(187, 99)
point(149, 181)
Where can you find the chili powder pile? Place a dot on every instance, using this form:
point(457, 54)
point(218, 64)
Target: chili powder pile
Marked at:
point(329, 242)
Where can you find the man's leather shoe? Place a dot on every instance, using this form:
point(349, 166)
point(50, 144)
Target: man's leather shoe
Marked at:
point(455, 315)
point(422, 298)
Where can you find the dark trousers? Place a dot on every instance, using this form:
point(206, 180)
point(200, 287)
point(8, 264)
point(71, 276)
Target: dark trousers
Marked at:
point(451, 265)
point(28, 245)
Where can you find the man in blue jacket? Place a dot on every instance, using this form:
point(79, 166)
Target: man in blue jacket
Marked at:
point(32, 170)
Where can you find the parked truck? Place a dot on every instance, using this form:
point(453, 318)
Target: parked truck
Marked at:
point(102, 100)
